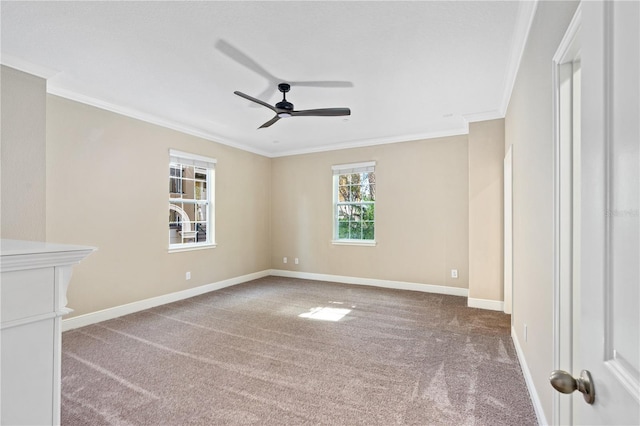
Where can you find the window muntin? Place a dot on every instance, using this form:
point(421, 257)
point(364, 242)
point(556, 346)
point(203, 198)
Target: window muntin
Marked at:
point(354, 203)
point(191, 179)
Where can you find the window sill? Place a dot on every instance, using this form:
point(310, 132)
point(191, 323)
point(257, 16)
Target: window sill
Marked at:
point(366, 243)
point(191, 247)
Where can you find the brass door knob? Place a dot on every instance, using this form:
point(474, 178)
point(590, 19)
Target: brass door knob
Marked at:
point(566, 383)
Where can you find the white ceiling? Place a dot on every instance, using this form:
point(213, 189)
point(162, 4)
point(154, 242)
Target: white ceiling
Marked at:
point(418, 69)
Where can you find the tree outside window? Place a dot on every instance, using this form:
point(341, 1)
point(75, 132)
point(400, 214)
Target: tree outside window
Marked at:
point(354, 202)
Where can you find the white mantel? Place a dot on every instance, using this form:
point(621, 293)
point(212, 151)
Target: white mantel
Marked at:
point(33, 297)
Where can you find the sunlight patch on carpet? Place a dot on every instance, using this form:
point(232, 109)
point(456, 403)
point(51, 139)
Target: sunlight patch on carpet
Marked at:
point(325, 313)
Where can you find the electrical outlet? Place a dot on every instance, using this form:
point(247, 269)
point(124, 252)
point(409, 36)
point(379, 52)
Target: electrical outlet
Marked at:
point(188, 275)
point(454, 273)
point(284, 259)
point(296, 261)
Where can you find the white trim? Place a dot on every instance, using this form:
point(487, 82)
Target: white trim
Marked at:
point(366, 243)
point(464, 130)
point(129, 308)
point(398, 285)
point(508, 232)
point(200, 161)
point(528, 379)
point(16, 255)
point(178, 248)
point(207, 135)
point(149, 118)
point(190, 156)
point(362, 165)
point(567, 44)
point(526, 14)
point(483, 116)
point(491, 305)
point(35, 318)
point(26, 66)
point(562, 307)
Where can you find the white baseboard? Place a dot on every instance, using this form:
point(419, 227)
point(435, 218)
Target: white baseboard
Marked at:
point(399, 285)
point(492, 305)
point(129, 308)
point(535, 398)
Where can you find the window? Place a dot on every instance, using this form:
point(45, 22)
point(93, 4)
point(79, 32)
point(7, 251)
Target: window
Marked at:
point(191, 207)
point(354, 202)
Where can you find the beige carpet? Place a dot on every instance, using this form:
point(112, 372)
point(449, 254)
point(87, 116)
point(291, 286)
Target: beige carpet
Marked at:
point(279, 351)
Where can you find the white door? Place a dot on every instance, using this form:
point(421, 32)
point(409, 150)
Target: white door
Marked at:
point(609, 311)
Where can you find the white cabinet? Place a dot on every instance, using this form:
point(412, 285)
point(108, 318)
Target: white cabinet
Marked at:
point(33, 287)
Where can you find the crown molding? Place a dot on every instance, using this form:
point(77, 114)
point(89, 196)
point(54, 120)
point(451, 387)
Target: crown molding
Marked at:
point(26, 66)
point(524, 22)
point(484, 116)
point(461, 130)
point(149, 118)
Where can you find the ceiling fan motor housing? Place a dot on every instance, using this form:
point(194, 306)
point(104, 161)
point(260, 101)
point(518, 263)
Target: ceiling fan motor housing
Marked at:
point(284, 87)
point(284, 108)
point(284, 104)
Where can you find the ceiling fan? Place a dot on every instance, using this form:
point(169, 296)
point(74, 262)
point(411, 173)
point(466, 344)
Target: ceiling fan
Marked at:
point(284, 108)
point(245, 60)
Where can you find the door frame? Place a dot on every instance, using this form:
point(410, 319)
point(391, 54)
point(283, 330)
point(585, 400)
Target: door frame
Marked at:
point(563, 288)
point(508, 232)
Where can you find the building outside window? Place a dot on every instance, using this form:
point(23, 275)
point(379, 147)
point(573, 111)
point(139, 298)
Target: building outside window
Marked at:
point(191, 201)
point(354, 200)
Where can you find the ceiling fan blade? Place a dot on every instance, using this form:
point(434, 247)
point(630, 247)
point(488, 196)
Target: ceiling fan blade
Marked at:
point(241, 58)
point(336, 84)
point(258, 101)
point(269, 91)
point(270, 122)
point(323, 112)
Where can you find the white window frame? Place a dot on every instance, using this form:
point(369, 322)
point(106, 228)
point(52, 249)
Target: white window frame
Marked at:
point(343, 169)
point(207, 163)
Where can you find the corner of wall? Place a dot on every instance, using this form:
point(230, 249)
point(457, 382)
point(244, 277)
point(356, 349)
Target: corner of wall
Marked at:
point(23, 156)
point(486, 228)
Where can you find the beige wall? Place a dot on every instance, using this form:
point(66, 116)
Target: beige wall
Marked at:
point(421, 213)
point(528, 127)
point(107, 186)
point(486, 155)
point(23, 155)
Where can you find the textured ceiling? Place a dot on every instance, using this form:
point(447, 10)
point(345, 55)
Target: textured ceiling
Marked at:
point(416, 69)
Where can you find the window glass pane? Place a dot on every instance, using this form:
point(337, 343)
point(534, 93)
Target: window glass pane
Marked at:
point(188, 203)
point(355, 230)
point(200, 229)
point(343, 193)
point(343, 230)
point(200, 174)
point(370, 193)
point(174, 218)
point(200, 212)
point(367, 230)
point(200, 190)
point(355, 215)
point(355, 193)
point(188, 172)
point(342, 214)
point(368, 212)
point(356, 212)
